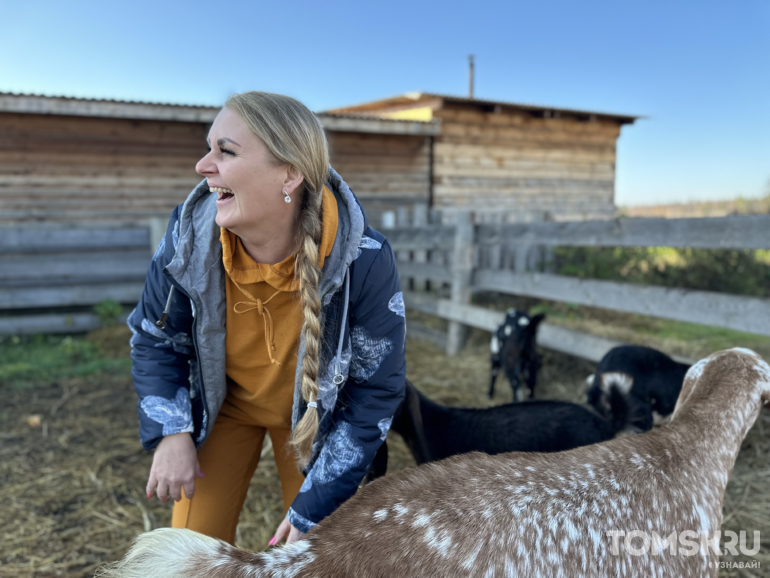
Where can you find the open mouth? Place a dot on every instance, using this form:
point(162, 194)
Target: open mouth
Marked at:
point(222, 193)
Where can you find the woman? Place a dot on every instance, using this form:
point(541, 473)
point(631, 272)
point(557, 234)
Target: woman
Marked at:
point(270, 305)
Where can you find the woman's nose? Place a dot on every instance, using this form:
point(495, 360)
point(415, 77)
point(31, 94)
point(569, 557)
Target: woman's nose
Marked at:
point(206, 166)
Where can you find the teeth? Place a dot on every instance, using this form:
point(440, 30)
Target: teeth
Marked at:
point(221, 191)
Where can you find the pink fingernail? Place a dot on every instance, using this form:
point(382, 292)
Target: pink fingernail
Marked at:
point(149, 496)
point(271, 542)
point(203, 475)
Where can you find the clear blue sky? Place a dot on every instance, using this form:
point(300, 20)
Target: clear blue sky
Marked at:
point(699, 69)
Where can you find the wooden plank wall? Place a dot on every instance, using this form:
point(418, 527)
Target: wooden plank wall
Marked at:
point(74, 169)
point(513, 161)
point(384, 171)
point(52, 274)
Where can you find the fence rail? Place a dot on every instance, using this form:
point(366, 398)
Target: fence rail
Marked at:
point(66, 266)
point(511, 258)
point(48, 268)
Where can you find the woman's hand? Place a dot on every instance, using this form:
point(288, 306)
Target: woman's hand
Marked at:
point(286, 527)
point(174, 466)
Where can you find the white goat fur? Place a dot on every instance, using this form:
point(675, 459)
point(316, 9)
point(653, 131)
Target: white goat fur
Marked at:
point(517, 514)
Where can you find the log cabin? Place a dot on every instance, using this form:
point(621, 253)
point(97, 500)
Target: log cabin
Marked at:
point(82, 160)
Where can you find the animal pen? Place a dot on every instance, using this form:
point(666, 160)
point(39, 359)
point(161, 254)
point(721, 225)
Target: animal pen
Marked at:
point(72, 487)
point(90, 448)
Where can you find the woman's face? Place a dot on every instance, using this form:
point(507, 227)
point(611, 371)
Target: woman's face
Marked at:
point(242, 173)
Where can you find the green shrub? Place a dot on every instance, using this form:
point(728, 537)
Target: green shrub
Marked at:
point(722, 271)
point(108, 311)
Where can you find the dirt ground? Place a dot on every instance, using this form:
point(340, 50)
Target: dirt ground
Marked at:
point(73, 473)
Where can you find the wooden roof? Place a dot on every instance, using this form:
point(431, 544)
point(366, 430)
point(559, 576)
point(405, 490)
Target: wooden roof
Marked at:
point(438, 101)
point(60, 105)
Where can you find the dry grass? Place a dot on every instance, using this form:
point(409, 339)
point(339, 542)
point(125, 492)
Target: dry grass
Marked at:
point(739, 206)
point(73, 486)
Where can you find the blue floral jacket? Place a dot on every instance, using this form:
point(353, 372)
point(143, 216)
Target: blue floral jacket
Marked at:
point(178, 346)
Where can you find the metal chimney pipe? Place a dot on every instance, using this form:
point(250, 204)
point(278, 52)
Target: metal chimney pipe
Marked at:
point(470, 76)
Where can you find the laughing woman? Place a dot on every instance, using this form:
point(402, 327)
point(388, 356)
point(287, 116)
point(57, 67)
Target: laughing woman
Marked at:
point(270, 306)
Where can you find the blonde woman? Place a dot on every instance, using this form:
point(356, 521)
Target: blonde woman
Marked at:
point(270, 306)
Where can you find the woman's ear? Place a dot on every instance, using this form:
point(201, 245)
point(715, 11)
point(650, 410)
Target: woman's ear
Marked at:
point(293, 180)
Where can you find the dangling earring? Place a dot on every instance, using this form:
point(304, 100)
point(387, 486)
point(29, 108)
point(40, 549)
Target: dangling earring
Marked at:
point(286, 197)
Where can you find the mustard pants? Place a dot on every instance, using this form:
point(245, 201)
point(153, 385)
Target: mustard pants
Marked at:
point(229, 459)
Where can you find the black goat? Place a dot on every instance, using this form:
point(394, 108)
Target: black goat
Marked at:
point(434, 432)
point(513, 348)
point(650, 378)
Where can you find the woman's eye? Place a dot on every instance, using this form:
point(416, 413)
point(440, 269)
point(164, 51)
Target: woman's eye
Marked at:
point(227, 151)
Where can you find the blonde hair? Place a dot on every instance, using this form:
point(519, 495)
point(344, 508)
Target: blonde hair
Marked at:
point(294, 137)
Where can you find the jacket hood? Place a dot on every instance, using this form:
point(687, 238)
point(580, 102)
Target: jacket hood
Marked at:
point(199, 233)
point(197, 268)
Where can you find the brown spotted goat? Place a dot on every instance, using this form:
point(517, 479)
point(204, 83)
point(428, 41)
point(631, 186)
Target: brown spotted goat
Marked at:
point(521, 514)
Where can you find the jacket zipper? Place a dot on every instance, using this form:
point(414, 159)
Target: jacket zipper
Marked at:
point(175, 284)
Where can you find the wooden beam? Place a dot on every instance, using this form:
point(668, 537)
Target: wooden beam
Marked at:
point(378, 125)
point(419, 331)
point(735, 232)
point(44, 269)
point(55, 323)
point(550, 336)
point(430, 271)
point(577, 343)
point(425, 237)
point(34, 297)
point(39, 239)
point(32, 104)
point(462, 277)
point(749, 314)
point(421, 302)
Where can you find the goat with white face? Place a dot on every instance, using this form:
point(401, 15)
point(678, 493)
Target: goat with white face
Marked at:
point(513, 348)
point(520, 514)
point(650, 378)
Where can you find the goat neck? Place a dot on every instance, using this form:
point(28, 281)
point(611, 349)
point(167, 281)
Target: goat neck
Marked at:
point(720, 401)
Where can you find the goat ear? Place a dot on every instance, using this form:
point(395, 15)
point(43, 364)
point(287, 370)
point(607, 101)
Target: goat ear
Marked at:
point(535, 321)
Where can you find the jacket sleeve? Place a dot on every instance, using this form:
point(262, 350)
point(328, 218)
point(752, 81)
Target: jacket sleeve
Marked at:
point(368, 400)
point(161, 356)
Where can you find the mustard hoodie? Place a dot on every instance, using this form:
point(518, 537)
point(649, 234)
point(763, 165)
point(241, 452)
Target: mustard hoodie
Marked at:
point(264, 319)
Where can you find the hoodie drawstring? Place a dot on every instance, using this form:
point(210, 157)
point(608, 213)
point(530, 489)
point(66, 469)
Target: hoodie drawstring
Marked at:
point(259, 305)
point(161, 323)
point(338, 377)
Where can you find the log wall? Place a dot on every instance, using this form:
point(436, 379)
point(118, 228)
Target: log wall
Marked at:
point(384, 171)
point(510, 160)
point(75, 168)
point(92, 169)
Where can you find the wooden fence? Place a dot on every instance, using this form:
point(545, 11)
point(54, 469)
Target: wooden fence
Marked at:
point(468, 257)
point(51, 276)
point(44, 269)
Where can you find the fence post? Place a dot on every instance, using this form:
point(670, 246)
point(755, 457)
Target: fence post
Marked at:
point(388, 219)
point(403, 256)
point(157, 228)
point(462, 272)
point(420, 255)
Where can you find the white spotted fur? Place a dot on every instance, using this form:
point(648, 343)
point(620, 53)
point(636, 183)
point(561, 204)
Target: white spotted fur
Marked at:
point(517, 514)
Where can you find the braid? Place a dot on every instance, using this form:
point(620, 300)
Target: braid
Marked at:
point(294, 137)
point(309, 276)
